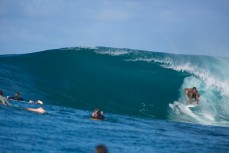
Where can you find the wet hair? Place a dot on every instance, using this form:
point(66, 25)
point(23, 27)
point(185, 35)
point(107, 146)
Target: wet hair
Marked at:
point(194, 88)
point(96, 110)
point(101, 149)
point(1, 92)
point(17, 93)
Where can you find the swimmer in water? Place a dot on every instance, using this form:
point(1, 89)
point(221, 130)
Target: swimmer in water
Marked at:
point(3, 100)
point(16, 97)
point(97, 114)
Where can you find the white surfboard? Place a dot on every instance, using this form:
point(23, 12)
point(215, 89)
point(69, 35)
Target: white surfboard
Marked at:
point(181, 106)
point(194, 104)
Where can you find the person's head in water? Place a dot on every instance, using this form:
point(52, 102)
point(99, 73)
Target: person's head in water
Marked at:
point(97, 114)
point(17, 94)
point(194, 89)
point(1, 93)
point(96, 110)
point(101, 149)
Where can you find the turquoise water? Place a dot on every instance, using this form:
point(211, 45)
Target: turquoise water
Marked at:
point(133, 88)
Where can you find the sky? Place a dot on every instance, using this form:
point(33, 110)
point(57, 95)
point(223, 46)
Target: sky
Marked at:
point(175, 26)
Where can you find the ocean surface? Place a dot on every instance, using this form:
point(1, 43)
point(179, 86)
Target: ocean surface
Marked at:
point(134, 89)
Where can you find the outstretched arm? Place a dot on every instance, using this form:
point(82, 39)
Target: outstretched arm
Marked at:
point(186, 89)
point(7, 102)
point(9, 97)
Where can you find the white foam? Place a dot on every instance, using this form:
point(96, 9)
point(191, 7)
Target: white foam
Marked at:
point(155, 60)
point(206, 80)
point(187, 112)
point(79, 48)
point(204, 74)
point(112, 53)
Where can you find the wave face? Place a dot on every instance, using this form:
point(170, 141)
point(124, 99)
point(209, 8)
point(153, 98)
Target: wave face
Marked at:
point(121, 81)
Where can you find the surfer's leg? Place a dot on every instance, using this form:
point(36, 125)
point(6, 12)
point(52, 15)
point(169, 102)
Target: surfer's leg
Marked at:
point(36, 110)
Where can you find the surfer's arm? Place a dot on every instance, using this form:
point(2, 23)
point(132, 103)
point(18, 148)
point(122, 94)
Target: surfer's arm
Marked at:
point(10, 97)
point(7, 102)
point(186, 89)
point(4, 101)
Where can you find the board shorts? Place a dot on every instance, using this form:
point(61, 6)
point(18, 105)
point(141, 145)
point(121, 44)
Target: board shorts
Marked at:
point(193, 95)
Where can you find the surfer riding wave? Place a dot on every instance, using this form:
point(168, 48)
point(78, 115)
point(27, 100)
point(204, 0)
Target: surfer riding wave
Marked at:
point(192, 93)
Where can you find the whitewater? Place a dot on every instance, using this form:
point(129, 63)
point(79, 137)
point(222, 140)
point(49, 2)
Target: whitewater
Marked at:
point(133, 87)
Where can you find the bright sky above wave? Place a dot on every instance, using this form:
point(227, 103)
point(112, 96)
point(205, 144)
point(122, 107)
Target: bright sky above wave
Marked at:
point(177, 26)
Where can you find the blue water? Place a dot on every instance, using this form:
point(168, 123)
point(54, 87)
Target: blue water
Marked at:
point(70, 130)
point(133, 88)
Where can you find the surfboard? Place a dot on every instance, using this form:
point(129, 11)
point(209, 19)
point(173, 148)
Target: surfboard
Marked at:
point(29, 102)
point(194, 104)
point(97, 119)
point(179, 107)
point(182, 109)
point(191, 105)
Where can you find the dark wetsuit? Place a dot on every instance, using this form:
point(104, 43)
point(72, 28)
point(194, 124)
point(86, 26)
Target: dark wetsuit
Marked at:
point(16, 98)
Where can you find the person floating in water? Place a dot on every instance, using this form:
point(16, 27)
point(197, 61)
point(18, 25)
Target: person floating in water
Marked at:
point(16, 97)
point(192, 93)
point(3, 100)
point(97, 114)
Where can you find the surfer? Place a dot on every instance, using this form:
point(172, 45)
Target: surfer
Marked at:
point(16, 97)
point(97, 114)
point(192, 93)
point(3, 100)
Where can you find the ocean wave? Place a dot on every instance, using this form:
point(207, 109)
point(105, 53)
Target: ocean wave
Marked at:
point(131, 82)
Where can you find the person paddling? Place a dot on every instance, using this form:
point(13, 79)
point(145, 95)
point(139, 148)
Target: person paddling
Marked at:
point(16, 97)
point(97, 114)
point(3, 100)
